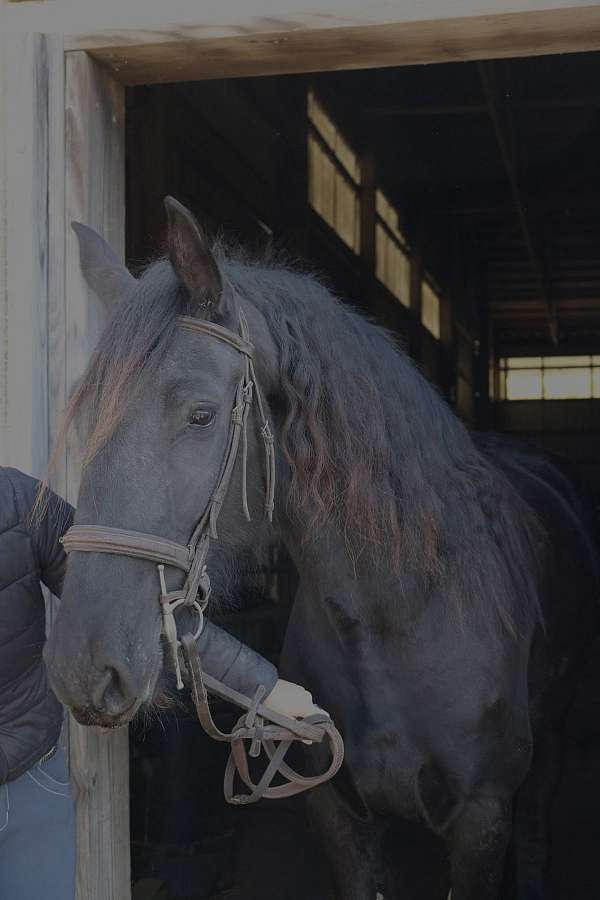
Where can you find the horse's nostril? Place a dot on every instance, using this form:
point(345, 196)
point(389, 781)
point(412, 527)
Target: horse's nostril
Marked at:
point(113, 692)
point(100, 689)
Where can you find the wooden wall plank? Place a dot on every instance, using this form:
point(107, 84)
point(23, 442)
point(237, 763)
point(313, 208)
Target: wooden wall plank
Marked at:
point(416, 288)
point(46, 336)
point(23, 252)
point(230, 18)
point(287, 45)
point(227, 183)
point(230, 113)
point(94, 194)
point(57, 371)
point(150, 174)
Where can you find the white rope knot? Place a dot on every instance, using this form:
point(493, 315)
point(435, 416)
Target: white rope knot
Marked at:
point(267, 434)
point(237, 415)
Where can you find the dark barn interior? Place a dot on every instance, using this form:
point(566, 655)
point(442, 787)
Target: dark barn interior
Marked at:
point(458, 205)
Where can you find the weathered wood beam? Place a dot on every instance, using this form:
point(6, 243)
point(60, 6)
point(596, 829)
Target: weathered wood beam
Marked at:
point(476, 109)
point(450, 109)
point(417, 271)
point(157, 41)
point(229, 17)
point(95, 195)
point(503, 140)
point(368, 219)
point(23, 252)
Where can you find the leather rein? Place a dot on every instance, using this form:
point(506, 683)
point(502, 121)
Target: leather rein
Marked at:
point(262, 727)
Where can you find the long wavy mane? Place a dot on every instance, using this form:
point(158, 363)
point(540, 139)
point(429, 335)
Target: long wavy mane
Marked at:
point(370, 446)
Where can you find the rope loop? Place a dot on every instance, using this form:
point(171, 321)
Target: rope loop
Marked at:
point(265, 730)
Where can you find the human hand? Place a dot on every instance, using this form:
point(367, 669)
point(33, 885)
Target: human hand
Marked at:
point(292, 700)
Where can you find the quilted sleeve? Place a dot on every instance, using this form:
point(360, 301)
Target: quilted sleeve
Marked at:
point(57, 518)
point(45, 526)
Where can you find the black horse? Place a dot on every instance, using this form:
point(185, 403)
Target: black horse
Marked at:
point(446, 589)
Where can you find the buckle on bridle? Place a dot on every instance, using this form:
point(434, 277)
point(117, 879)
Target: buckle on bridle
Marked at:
point(170, 602)
point(204, 588)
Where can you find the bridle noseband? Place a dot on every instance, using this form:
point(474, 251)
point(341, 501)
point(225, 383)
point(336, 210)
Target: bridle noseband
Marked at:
point(195, 593)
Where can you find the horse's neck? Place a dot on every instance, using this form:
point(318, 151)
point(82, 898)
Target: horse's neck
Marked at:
point(323, 563)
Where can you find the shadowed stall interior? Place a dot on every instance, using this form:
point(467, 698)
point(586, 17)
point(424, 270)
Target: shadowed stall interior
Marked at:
point(459, 206)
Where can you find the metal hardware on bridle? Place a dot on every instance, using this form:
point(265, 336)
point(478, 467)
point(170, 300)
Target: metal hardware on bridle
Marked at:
point(259, 725)
point(169, 604)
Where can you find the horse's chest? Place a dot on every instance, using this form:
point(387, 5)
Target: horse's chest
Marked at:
point(383, 768)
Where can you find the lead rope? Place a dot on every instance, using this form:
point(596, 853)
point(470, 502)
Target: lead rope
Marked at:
point(262, 727)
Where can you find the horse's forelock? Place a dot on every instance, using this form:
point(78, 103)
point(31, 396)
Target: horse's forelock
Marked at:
point(126, 357)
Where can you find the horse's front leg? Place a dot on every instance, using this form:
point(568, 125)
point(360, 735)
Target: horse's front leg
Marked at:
point(348, 843)
point(531, 833)
point(415, 863)
point(477, 846)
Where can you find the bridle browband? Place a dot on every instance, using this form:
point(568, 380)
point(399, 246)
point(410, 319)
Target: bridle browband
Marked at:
point(195, 593)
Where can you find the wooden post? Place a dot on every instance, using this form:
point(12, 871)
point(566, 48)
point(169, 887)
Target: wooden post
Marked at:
point(368, 249)
point(446, 374)
point(416, 281)
point(95, 195)
point(23, 251)
point(48, 325)
point(481, 352)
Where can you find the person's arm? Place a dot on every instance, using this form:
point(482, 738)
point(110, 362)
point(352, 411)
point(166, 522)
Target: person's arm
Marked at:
point(56, 519)
point(45, 524)
point(223, 656)
point(242, 669)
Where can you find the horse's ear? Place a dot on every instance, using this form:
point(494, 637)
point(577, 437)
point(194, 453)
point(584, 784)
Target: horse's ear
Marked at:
point(192, 258)
point(102, 269)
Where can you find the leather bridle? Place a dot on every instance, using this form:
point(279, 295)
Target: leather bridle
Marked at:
point(195, 593)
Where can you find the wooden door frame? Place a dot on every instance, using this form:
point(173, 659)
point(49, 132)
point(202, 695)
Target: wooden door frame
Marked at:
point(387, 36)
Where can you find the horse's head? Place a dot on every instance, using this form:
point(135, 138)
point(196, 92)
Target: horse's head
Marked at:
point(155, 408)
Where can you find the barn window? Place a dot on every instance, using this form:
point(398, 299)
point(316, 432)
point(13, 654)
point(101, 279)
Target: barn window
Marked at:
point(392, 258)
point(430, 309)
point(333, 175)
point(550, 377)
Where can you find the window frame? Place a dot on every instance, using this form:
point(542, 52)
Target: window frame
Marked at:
point(428, 283)
point(399, 243)
point(340, 168)
point(540, 365)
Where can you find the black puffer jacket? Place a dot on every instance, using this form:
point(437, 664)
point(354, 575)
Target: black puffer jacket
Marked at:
point(30, 715)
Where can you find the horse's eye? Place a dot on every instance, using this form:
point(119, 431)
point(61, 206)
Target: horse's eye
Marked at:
point(201, 417)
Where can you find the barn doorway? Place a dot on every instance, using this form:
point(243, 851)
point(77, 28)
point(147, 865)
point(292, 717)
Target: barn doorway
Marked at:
point(457, 204)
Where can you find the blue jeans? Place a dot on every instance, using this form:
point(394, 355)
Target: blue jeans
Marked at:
point(37, 834)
